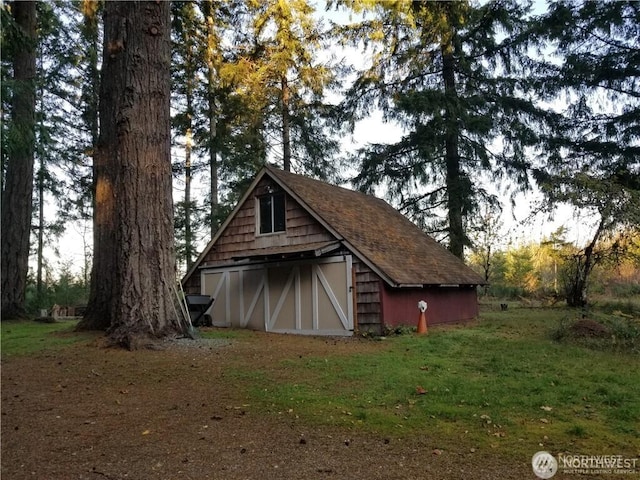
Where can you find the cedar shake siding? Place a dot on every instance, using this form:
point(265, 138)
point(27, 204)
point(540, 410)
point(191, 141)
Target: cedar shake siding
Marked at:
point(239, 237)
point(368, 306)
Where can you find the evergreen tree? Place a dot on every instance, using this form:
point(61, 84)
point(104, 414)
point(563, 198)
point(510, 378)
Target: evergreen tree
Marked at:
point(219, 107)
point(133, 276)
point(594, 160)
point(186, 70)
point(449, 73)
point(20, 42)
point(285, 83)
point(240, 53)
point(210, 119)
point(58, 136)
point(87, 62)
point(62, 144)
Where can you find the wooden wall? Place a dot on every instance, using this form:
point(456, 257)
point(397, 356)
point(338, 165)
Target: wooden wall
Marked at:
point(445, 305)
point(368, 302)
point(240, 234)
point(376, 304)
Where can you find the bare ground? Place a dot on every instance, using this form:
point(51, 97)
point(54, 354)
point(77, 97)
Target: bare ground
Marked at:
point(90, 412)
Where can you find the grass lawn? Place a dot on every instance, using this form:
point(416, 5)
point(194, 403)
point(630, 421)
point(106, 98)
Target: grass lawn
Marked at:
point(25, 337)
point(500, 384)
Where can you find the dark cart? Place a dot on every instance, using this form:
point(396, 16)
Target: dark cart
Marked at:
point(198, 306)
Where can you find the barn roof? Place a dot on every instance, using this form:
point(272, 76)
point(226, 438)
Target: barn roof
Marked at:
point(380, 236)
point(377, 233)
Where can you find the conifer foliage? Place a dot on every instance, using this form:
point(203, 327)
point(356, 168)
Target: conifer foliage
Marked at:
point(593, 162)
point(451, 74)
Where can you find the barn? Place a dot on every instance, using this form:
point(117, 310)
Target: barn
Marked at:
point(298, 255)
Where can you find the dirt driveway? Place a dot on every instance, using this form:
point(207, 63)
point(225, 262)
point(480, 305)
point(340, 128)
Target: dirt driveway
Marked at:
point(89, 412)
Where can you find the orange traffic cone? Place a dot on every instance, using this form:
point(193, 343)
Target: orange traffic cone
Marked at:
point(422, 324)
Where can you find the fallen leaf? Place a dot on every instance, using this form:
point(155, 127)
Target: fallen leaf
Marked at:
point(146, 432)
point(420, 390)
point(546, 409)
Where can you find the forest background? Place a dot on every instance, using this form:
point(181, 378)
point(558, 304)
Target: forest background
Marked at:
point(456, 113)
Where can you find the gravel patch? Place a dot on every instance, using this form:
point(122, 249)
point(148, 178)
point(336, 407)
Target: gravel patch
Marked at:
point(191, 344)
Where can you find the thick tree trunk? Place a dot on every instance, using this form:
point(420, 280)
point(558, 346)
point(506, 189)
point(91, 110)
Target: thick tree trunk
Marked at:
point(133, 278)
point(17, 195)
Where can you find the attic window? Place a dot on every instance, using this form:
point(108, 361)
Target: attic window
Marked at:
point(272, 213)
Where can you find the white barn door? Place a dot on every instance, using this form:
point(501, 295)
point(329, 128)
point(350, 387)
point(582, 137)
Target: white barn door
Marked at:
point(239, 296)
point(289, 297)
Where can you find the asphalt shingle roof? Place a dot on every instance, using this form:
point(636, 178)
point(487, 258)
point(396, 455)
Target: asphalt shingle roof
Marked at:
point(394, 245)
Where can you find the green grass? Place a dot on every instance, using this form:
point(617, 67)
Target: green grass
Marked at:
point(500, 384)
point(26, 337)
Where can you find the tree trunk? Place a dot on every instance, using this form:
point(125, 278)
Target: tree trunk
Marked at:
point(91, 30)
point(133, 277)
point(40, 266)
point(17, 195)
point(213, 121)
point(188, 239)
point(578, 277)
point(286, 126)
point(213, 157)
point(40, 179)
point(455, 188)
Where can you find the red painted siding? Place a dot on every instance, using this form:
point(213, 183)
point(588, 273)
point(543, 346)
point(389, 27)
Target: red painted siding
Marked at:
point(445, 305)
